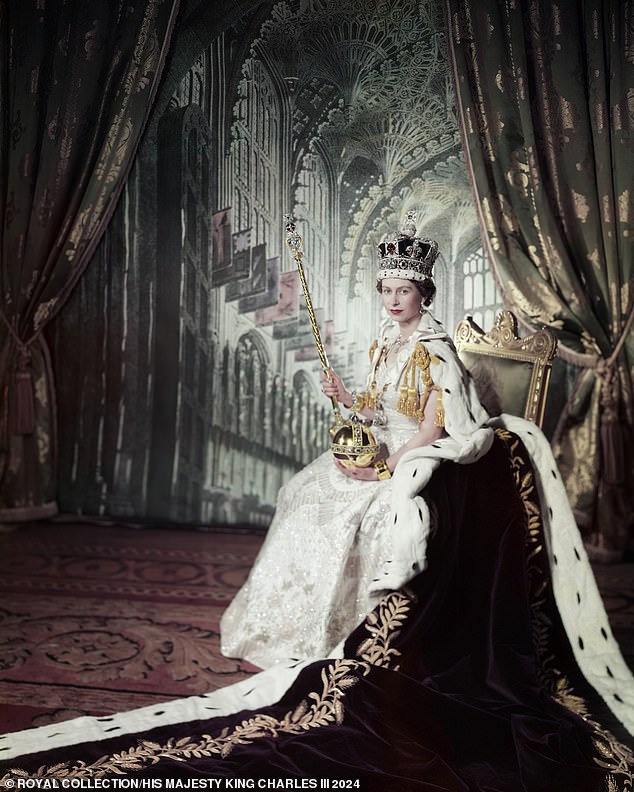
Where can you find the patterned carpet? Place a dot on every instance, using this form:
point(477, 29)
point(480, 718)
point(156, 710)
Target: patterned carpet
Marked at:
point(96, 619)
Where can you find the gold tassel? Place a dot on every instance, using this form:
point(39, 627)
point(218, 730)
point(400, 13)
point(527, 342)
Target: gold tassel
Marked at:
point(360, 401)
point(439, 418)
point(409, 403)
point(412, 404)
point(372, 397)
point(412, 395)
point(404, 390)
point(420, 414)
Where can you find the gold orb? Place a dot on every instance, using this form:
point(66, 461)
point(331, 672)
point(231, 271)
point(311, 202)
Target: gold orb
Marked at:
point(353, 444)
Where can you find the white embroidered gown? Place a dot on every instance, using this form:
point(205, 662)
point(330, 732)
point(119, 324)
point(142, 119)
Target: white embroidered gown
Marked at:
point(310, 584)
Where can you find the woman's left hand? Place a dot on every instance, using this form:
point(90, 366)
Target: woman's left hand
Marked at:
point(358, 473)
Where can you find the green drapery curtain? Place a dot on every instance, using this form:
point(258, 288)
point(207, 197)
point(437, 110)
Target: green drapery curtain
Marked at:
point(545, 97)
point(78, 78)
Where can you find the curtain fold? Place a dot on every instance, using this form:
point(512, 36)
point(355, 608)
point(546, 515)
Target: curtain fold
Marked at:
point(78, 80)
point(545, 98)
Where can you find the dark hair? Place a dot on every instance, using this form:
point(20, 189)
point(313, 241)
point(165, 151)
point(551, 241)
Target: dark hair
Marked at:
point(426, 288)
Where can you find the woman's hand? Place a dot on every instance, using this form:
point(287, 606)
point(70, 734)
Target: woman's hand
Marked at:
point(358, 473)
point(332, 385)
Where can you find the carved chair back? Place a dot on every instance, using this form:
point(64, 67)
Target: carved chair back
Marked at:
point(511, 374)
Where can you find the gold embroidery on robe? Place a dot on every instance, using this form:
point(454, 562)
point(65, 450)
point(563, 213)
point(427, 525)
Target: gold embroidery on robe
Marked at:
point(326, 709)
point(384, 624)
point(612, 755)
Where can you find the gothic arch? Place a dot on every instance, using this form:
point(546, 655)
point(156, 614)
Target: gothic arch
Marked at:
point(302, 381)
point(252, 364)
point(305, 391)
point(200, 23)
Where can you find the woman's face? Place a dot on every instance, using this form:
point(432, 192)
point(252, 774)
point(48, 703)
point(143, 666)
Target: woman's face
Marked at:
point(401, 300)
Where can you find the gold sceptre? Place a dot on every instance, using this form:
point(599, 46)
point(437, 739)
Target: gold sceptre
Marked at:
point(352, 442)
point(296, 246)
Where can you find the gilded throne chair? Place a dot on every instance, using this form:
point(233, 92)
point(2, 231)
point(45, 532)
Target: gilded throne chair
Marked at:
point(511, 374)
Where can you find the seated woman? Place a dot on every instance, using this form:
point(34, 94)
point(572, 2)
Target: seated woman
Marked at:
point(461, 644)
point(321, 568)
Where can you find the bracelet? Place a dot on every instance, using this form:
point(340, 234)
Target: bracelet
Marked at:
point(382, 470)
point(358, 402)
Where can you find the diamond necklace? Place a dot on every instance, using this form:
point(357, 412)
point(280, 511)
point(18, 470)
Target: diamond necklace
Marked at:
point(400, 340)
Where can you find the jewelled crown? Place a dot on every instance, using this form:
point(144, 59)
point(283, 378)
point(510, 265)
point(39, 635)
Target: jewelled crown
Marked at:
point(406, 255)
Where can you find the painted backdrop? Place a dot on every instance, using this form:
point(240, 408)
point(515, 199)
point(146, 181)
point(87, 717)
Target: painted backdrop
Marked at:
point(193, 394)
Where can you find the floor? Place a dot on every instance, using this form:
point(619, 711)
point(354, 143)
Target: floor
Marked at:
point(101, 618)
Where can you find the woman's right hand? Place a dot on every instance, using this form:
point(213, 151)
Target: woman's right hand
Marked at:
point(332, 386)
